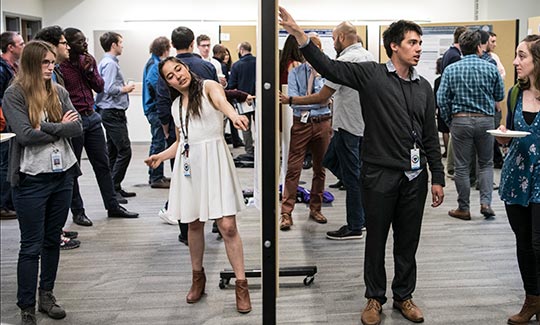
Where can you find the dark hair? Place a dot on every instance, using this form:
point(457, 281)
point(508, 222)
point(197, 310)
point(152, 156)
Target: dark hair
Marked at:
point(51, 34)
point(533, 45)
point(70, 32)
point(160, 46)
point(182, 37)
point(396, 33)
point(245, 46)
point(228, 63)
point(290, 52)
point(195, 89)
point(469, 42)
point(6, 39)
point(484, 36)
point(438, 66)
point(218, 49)
point(108, 39)
point(201, 38)
point(492, 34)
point(457, 33)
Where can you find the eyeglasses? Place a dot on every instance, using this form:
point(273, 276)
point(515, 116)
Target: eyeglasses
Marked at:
point(204, 45)
point(63, 42)
point(47, 63)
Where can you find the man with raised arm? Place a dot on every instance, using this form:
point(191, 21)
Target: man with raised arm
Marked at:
point(400, 142)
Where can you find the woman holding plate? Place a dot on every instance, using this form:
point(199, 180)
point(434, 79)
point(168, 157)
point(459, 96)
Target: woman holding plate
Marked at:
point(520, 176)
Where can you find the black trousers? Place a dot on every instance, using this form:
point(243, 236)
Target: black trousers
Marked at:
point(390, 199)
point(118, 144)
point(525, 223)
point(93, 142)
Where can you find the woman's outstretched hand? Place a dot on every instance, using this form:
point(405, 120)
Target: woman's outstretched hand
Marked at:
point(241, 122)
point(153, 161)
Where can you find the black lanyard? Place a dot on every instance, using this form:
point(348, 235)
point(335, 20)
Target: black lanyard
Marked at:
point(409, 108)
point(184, 132)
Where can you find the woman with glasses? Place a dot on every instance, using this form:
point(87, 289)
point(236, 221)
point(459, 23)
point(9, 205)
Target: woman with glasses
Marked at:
point(41, 171)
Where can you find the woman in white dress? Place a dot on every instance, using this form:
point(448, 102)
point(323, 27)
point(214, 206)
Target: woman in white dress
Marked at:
point(204, 185)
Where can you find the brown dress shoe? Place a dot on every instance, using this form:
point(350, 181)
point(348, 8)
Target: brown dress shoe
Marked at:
point(285, 222)
point(409, 310)
point(318, 216)
point(531, 307)
point(197, 287)
point(460, 214)
point(243, 302)
point(487, 211)
point(372, 313)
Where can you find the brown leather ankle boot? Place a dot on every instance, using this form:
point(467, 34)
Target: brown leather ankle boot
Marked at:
point(197, 287)
point(243, 303)
point(531, 306)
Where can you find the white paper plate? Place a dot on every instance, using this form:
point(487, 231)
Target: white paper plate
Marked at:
point(508, 133)
point(6, 136)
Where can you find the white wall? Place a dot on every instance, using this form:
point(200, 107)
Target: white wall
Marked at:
point(504, 9)
point(159, 17)
point(32, 8)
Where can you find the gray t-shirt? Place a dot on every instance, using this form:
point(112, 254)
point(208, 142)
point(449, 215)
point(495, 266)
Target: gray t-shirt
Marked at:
point(347, 113)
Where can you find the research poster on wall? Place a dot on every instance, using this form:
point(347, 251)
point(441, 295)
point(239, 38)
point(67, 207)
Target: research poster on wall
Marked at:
point(324, 34)
point(436, 40)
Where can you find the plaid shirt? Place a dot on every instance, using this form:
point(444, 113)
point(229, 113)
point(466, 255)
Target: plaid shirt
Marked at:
point(471, 85)
point(80, 83)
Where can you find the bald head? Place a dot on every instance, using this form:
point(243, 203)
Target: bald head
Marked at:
point(344, 35)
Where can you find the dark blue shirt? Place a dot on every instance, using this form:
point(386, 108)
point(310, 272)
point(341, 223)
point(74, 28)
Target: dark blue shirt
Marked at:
point(166, 96)
point(243, 74)
point(6, 74)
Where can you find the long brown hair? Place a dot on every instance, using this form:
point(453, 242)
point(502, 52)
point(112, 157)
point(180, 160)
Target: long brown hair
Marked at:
point(41, 95)
point(533, 45)
point(195, 89)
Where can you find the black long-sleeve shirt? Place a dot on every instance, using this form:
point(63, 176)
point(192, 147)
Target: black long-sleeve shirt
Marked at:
point(387, 105)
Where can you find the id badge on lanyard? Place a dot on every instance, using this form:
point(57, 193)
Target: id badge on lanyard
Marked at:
point(56, 160)
point(415, 158)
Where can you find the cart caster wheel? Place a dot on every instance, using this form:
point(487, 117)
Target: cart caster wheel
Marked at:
point(308, 280)
point(222, 283)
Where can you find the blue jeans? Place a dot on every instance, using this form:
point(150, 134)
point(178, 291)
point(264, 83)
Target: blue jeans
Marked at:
point(5, 188)
point(42, 204)
point(93, 141)
point(348, 148)
point(468, 134)
point(158, 144)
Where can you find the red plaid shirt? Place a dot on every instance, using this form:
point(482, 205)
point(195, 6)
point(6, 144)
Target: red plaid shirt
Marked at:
point(80, 83)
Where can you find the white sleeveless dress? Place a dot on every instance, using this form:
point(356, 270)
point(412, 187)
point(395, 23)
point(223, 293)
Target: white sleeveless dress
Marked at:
point(213, 190)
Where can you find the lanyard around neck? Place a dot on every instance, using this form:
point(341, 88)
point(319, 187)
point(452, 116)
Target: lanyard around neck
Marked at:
point(409, 108)
point(185, 131)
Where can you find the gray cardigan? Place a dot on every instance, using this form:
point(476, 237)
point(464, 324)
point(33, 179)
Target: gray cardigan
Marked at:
point(16, 112)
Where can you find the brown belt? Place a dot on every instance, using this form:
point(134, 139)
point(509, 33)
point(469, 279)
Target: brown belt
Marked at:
point(316, 119)
point(86, 112)
point(465, 114)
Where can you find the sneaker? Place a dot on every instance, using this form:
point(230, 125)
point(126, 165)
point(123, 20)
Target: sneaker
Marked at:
point(336, 185)
point(70, 234)
point(67, 244)
point(344, 234)
point(165, 217)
